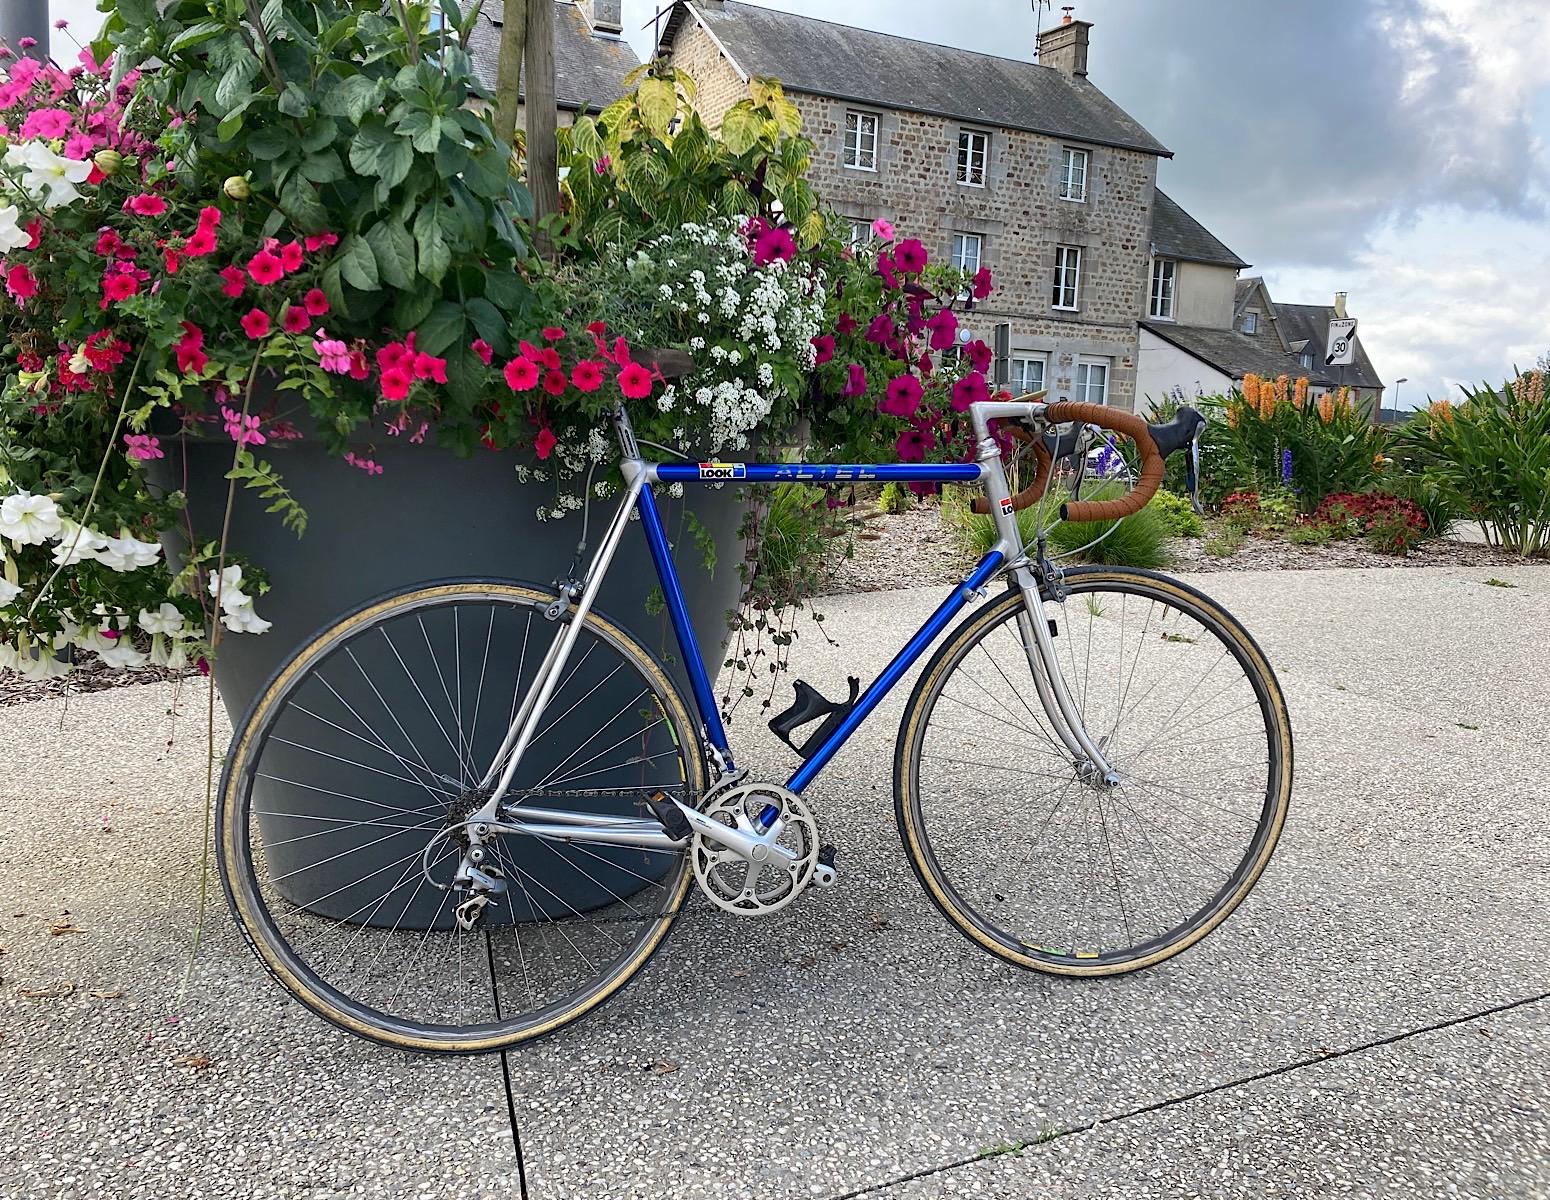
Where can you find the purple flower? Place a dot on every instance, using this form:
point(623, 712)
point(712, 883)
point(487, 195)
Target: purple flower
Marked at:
point(1286, 466)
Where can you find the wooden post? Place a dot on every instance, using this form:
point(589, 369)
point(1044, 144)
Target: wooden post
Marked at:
point(543, 167)
point(508, 74)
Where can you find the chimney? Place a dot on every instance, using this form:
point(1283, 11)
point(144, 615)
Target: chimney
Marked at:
point(1340, 305)
point(1065, 46)
point(603, 16)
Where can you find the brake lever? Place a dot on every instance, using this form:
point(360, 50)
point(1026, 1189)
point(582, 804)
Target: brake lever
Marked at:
point(1192, 473)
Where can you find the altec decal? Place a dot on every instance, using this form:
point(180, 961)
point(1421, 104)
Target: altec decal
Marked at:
point(714, 472)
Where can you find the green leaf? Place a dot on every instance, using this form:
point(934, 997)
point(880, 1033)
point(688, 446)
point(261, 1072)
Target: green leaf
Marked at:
point(486, 174)
point(333, 288)
point(658, 100)
point(435, 255)
point(270, 143)
point(195, 34)
point(299, 201)
point(358, 264)
point(394, 250)
point(293, 101)
point(233, 87)
point(231, 123)
point(319, 132)
point(491, 325)
point(741, 128)
point(413, 306)
point(506, 290)
point(353, 98)
point(323, 168)
point(444, 327)
point(379, 152)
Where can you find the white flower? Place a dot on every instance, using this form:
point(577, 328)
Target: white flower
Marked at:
point(29, 520)
point(12, 235)
point(128, 553)
point(8, 591)
point(243, 619)
point(121, 654)
point(40, 665)
point(168, 653)
point(76, 544)
point(79, 363)
point(166, 619)
point(50, 177)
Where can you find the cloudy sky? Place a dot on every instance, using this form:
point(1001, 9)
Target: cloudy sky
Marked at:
point(1393, 149)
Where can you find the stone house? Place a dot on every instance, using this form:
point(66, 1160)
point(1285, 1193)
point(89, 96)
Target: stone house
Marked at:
point(1026, 169)
point(591, 57)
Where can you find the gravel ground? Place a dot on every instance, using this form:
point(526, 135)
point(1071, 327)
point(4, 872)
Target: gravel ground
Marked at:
point(914, 548)
point(90, 675)
point(1347, 1032)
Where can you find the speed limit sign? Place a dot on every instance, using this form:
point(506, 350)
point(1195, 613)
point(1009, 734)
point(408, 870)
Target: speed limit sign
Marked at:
point(1341, 343)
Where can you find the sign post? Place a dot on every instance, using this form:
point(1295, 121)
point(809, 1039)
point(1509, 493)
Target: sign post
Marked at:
point(1341, 346)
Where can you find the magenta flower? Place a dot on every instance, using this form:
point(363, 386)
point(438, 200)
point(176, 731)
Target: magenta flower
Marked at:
point(142, 447)
point(982, 286)
point(885, 268)
point(27, 43)
point(45, 124)
point(913, 444)
point(602, 165)
point(979, 354)
point(944, 329)
point(882, 230)
point(971, 389)
point(823, 348)
point(881, 330)
point(367, 465)
point(772, 245)
point(855, 385)
point(902, 398)
point(545, 442)
point(21, 283)
point(145, 205)
point(244, 430)
point(911, 257)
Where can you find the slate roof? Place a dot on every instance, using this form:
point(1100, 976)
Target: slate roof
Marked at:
point(1311, 322)
point(1176, 234)
point(1235, 354)
point(823, 58)
point(589, 70)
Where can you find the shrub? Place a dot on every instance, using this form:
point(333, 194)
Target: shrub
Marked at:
point(1136, 541)
point(1177, 516)
point(1490, 456)
point(1390, 524)
point(895, 498)
point(1394, 532)
point(799, 540)
point(1270, 512)
point(1308, 534)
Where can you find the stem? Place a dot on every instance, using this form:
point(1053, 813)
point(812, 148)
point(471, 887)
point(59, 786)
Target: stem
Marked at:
point(96, 486)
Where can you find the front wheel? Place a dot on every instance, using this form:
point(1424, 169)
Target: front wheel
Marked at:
point(1026, 849)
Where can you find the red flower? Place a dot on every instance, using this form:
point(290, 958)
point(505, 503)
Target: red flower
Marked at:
point(189, 350)
point(979, 354)
point(295, 320)
point(555, 382)
point(545, 442)
point(910, 256)
point(521, 374)
point(484, 350)
point(396, 382)
point(982, 285)
point(108, 243)
point(256, 324)
point(315, 302)
point(635, 381)
point(597, 329)
point(903, 397)
point(209, 218)
point(823, 345)
point(119, 285)
point(235, 281)
point(35, 233)
point(971, 389)
point(428, 366)
point(291, 258)
point(395, 354)
point(201, 244)
point(856, 384)
point(359, 368)
point(20, 282)
point(317, 241)
point(265, 269)
point(170, 260)
point(587, 377)
point(549, 357)
point(553, 333)
point(145, 205)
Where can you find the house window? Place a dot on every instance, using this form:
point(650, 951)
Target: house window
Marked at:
point(1306, 360)
point(1027, 374)
point(861, 141)
point(860, 232)
point(1073, 175)
point(1164, 273)
point(973, 151)
point(1092, 381)
point(968, 248)
point(1068, 276)
point(1250, 322)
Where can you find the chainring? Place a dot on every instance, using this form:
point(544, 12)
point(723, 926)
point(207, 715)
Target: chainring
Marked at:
point(747, 888)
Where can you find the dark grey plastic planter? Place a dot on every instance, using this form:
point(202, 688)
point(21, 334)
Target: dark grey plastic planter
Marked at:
point(431, 516)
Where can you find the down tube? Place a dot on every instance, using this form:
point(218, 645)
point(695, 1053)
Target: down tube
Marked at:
point(683, 627)
point(895, 670)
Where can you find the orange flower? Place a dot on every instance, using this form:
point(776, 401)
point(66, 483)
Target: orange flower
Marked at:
point(1438, 414)
point(1251, 388)
point(1300, 394)
point(1232, 415)
point(1282, 384)
point(1326, 408)
point(1344, 399)
point(1530, 387)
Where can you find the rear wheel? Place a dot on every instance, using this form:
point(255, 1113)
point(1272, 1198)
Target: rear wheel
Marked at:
point(1029, 852)
point(339, 823)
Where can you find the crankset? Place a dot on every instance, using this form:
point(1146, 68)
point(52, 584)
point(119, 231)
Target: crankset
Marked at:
point(777, 854)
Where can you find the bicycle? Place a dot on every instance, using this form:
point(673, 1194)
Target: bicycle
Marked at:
point(1091, 772)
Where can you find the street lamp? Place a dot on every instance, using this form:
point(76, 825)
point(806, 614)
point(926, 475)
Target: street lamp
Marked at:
point(1397, 384)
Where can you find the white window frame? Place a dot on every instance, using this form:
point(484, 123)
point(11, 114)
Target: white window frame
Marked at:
point(1083, 390)
point(1073, 183)
point(1068, 279)
point(972, 144)
point(856, 139)
point(1163, 304)
point(959, 255)
point(860, 232)
point(1305, 360)
point(1250, 322)
point(1017, 373)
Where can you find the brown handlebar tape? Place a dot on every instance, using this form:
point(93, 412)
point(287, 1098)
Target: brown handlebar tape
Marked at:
point(1152, 464)
point(1034, 492)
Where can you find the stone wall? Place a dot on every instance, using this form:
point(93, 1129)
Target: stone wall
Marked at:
point(717, 84)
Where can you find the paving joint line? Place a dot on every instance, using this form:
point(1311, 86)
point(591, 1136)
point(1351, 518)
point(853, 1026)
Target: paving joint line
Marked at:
point(1056, 1135)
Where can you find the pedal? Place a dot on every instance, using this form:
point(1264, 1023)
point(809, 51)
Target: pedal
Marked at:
point(810, 706)
point(824, 874)
point(673, 821)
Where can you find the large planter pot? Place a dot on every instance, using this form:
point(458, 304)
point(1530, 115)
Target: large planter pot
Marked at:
point(431, 515)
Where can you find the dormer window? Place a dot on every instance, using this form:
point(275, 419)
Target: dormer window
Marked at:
point(1164, 277)
point(1250, 322)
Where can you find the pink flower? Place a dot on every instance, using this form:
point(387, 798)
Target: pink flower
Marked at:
point(856, 384)
point(190, 350)
point(265, 269)
point(45, 124)
point(944, 329)
point(27, 43)
point(291, 258)
point(334, 355)
point(602, 165)
point(911, 257)
point(634, 381)
point(145, 205)
point(773, 245)
point(902, 398)
point(368, 465)
point(484, 350)
point(235, 281)
point(201, 243)
point(587, 376)
point(255, 324)
point(823, 348)
point(295, 320)
point(982, 285)
point(428, 366)
point(142, 447)
point(545, 442)
point(882, 230)
point(971, 389)
point(244, 430)
point(318, 241)
point(521, 374)
point(170, 260)
point(555, 382)
point(119, 285)
point(885, 268)
point(108, 243)
point(979, 354)
point(396, 382)
point(20, 282)
point(553, 333)
point(315, 302)
point(209, 217)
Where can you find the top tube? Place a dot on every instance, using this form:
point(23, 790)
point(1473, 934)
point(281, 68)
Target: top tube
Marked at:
point(736, 472)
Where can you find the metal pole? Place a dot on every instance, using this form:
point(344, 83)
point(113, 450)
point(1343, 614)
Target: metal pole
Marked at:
point(25, 18)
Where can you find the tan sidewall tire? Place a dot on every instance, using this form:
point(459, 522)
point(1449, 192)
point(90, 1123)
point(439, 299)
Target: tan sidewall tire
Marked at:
point(911, 728)
point(237, 878)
